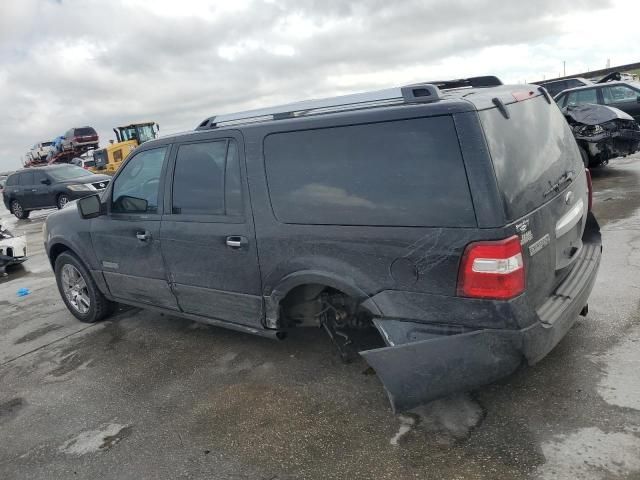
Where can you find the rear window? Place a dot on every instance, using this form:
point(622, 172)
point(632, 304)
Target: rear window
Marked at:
point(401, 173)
point(84, 131)
point(47, 144)
point(530, 151)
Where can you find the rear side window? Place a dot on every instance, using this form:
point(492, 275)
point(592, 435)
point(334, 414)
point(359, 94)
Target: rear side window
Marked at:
point(26, 178)
point(530, 151)
point(81, 132)
point(400, 173)
point(12, 180)
point(198, 179)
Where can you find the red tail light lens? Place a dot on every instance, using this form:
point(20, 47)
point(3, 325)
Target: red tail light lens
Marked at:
point(492, 269)
point(590, 187)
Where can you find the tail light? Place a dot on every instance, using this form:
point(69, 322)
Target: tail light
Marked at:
point(590, 188)
point(492, 269)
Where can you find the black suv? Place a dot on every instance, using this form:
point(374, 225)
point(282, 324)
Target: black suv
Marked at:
point(442, 231)
point(46, 187)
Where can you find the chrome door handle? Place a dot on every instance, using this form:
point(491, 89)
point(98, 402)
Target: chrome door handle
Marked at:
point(143, 236)
point(237, 241)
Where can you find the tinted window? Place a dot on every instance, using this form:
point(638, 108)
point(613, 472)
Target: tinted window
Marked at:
point(619, 94)
point(555, 88)
point(68, 172)
point(530, 151)
point(47, 144)
point(38, 176)
point(233, 186)
point(13, 180)
point(198, 180)
point(135, 190)
point(573, 83)
point(206, 180)
point(26, 178)
point(84, 131)
point(581, 97)
point(407, 172)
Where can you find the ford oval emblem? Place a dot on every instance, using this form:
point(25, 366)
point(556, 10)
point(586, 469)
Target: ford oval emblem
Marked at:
point(568, 198)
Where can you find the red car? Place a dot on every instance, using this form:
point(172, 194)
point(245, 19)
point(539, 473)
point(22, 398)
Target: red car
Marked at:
point(80, 138)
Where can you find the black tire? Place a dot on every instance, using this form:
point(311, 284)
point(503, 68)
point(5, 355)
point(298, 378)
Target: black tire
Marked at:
point(585, 156)
point(99, 306)
point(18, 211)
point(62, 200)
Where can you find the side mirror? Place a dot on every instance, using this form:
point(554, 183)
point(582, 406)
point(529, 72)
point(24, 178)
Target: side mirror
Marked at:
point(45, 181)
point(90, 207)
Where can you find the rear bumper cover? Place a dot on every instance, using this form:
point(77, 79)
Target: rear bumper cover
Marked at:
point(423, 362)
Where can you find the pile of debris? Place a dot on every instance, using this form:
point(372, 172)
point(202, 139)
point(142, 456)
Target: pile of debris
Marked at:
point(602, 132)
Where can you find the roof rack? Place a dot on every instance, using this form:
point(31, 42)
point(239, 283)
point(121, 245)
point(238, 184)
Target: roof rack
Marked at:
point(419, 93)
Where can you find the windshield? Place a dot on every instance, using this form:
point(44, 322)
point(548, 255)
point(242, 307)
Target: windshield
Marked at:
point(68, 173)
point(145, 132)
point(141, 133)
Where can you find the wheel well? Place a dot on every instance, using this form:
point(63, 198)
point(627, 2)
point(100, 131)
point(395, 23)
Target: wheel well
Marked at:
point(348, 324)
point(304, 304)
point(55, 252)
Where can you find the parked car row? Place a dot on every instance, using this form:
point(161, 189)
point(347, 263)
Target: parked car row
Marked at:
point(442, 231)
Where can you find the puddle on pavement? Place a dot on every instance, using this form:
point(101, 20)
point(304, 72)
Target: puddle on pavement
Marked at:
point(98, 440)
point(619, 384)
point(40, 332)
point(10, 408)
point(591, 454)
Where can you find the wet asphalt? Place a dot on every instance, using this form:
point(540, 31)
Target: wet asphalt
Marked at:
point(150, 396)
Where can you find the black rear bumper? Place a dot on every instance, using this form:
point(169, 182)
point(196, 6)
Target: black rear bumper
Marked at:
point(423, 362)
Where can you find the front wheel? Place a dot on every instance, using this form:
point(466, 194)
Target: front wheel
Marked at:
point(78, 290)
point(585, 156)
point(18, 210)
point(63, 199)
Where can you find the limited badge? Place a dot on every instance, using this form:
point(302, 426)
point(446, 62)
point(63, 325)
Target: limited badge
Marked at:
point(539, 245)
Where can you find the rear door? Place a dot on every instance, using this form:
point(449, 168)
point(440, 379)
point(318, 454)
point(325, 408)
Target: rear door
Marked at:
point(540, 173)
point(127, 240)
point(25, 190)
point(207, 233)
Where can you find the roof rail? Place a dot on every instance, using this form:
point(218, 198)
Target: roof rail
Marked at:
point(425, 92)
point(472, 82)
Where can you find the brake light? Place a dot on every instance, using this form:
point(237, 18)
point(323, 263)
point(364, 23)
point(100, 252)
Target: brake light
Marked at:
point(590, 189)
point(492, 269)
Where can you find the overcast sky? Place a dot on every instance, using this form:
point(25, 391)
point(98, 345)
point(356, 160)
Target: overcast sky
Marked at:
point(66, 63)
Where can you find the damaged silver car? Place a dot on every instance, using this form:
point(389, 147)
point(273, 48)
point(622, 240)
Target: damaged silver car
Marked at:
point(602, 132)
point(13, 250)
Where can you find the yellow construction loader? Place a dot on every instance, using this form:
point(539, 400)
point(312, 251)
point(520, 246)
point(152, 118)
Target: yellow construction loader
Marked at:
point(109, 158)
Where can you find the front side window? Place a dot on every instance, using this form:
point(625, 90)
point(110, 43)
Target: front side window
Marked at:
point(38, 177)
point(619, 94)
point(581, 97)
point(136, 189)
point(206, 180)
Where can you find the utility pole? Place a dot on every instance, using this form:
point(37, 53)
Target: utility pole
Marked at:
point(564, 68)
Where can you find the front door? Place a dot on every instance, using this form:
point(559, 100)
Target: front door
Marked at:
point(127, 239)
point(624, 98)
point(41, 192)
point(207, 234)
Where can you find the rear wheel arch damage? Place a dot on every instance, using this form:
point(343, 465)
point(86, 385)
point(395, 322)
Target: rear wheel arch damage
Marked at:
point(342, 316)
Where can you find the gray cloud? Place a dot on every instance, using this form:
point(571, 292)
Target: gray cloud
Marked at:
point(77, 62)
